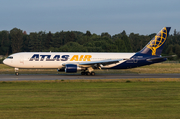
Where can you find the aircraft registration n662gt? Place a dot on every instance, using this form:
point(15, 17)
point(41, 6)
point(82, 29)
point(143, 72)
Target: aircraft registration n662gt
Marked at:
point(71, 62)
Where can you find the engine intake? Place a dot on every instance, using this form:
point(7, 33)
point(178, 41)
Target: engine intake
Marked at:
point(71, 68)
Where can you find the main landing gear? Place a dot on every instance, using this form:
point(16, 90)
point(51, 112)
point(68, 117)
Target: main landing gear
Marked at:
point(88, 73)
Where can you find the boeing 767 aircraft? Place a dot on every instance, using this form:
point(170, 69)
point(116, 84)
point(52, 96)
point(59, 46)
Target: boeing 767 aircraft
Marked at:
point(71, 62)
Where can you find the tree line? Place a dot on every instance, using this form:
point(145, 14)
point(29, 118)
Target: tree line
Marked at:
point(16, 40)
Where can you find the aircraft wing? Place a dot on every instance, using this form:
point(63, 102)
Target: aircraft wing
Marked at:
point(101, 62)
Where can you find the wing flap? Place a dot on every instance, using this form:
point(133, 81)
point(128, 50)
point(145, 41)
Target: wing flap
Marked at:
point(103, 62)
point(95, 63)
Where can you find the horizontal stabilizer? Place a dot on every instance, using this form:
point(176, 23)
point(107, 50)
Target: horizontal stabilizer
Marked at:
point(159, 58)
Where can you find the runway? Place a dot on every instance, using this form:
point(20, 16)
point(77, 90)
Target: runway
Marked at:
point(28, 77)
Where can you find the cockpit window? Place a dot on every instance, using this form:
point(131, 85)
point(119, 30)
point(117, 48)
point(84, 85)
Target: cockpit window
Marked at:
point(10, 57)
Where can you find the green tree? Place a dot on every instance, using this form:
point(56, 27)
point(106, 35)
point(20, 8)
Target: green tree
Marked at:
point(105, 35)
point(88, 33)
point(121, 45)
point(126, 41)
point(36, 42)
point(177, 50)
point(41, 39)
point(57, 39)
point(4, 43)
point(25, 45)
point(73, 47)
point(48, 40)
point(16, 36)
point(33, 42)
point(169, 50)
point(70, 37)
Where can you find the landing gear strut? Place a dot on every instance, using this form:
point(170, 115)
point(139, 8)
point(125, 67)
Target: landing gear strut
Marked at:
point(16, 71)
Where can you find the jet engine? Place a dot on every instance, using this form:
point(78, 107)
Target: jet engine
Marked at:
point(71, 68)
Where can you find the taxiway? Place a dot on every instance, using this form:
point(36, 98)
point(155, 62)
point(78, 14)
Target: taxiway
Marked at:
point(12, 77)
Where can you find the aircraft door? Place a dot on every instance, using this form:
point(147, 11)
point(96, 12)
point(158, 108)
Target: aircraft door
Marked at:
point(21, 59)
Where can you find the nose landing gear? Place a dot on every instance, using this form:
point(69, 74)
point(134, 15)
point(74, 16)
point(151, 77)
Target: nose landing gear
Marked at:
point(16, 71)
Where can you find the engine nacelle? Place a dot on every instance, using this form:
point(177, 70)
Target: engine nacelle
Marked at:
point(71, 68)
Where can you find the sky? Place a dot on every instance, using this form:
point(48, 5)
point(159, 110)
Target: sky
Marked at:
point(113, 16)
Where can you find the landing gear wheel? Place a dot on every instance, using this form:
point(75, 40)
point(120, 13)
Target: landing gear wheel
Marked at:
point(92, 73)
point(88, 73)
point(83, 73)
point(16, 73)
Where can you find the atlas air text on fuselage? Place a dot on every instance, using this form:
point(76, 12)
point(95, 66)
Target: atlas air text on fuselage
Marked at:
point(37, 57)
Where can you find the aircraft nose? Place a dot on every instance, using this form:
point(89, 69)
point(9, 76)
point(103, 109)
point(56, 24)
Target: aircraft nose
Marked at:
point(5, 61)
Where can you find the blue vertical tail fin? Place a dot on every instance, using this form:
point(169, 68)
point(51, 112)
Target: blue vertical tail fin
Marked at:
point(155, 46)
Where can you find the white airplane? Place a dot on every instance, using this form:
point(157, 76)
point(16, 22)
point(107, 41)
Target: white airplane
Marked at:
point(71, 62)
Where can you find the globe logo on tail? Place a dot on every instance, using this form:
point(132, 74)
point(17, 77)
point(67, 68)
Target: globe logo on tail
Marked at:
point(158, 41)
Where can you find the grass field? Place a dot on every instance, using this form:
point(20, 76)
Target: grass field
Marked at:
point(102, 99)
point(151, 69)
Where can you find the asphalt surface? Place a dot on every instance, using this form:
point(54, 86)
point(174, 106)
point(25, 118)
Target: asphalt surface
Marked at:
point(12, 77)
